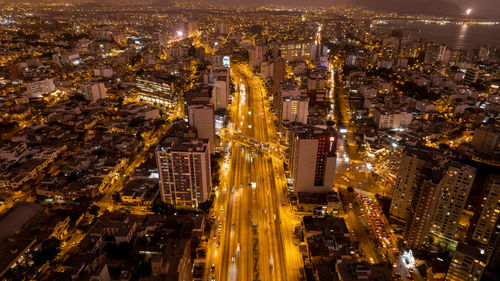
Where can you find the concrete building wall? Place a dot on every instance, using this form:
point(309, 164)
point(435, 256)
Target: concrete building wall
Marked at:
point(306, 165)
point(202, 117)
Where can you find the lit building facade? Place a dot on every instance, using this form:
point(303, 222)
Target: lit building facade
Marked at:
point(467, 264)
point(184, 172)
point(313, 158)
point(455, 187)
point(408, 179)
point(156, 88)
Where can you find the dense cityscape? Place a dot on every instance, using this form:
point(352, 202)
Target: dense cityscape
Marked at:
point(209, 143)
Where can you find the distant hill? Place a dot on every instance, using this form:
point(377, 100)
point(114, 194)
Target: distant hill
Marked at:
point(428, 7)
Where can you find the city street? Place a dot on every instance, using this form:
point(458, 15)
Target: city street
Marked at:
point(254, 224)
point(364, 217)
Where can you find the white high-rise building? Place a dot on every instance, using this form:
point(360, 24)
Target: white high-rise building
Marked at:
point(455, 186)
point(313, 158)
point(408, 179)
point(295, 109)
point(202, 117)
point(38, 88)
point(184, 171)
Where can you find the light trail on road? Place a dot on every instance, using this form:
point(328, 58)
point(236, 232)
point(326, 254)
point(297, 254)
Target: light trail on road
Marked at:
point(254, 224)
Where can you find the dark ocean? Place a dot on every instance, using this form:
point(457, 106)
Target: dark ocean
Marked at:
point(455, 36)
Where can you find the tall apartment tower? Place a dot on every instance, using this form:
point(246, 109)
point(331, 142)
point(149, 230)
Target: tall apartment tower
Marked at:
point(486, 226)
point(289, 103)
point(293, 105)
point(313, 158)
point(487, 139)
point(408, 179)
point(202, 117)
point(184, 170)
point(256, 56)
point(279, 73)
point(295, 109)
point(467, 264)
point(456, 185)
point(219, 78)
point(424, 205)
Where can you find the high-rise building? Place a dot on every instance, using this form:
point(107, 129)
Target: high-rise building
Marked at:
point(408, 179)
point(176, 52)
point(256, 56)
point(156, 87)
point(278, 73)
point(487, 139)
point(38, 88)
point(313, 158)
point(471, 76)
point(94, 91)
point(295, 109)
point(288, 88)
point(486, 226)
point(317, 79)
point(202, 118)
point(279, 70)
point(423, 205)
point(220, 92)
point(318, 51)
point(184, 171)
point(455, 187)
point(266, 70)
point(199, 95)
point(290, 104)
point(435, 54)
point(467, 264)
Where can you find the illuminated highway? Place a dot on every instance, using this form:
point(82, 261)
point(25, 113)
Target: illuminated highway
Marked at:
point(252, 236)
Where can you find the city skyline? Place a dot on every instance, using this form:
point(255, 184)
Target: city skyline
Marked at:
point(234, 140)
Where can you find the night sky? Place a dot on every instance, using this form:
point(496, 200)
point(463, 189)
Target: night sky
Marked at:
point(485, 8)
